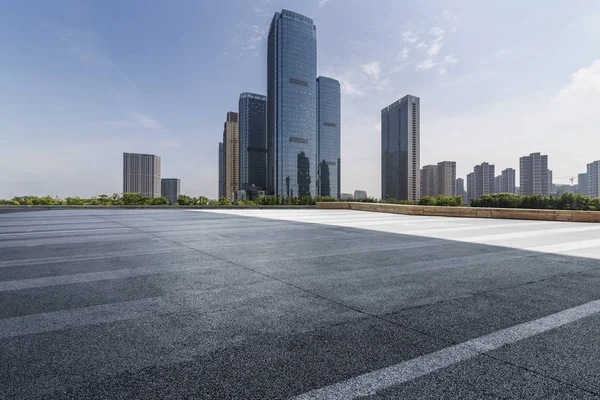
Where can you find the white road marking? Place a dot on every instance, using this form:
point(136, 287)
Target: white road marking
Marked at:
point(372, 382)
point(69, 231)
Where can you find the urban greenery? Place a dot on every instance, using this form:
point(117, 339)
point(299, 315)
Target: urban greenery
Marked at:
point(130, 199)
point(567, 201)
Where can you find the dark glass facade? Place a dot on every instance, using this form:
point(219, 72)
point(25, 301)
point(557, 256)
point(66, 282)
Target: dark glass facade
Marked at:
point(328, 136)
point(253, 141)
point(400, 150)
point(291, 106)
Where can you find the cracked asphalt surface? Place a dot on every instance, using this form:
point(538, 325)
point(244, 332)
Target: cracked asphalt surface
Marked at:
point(273, 304)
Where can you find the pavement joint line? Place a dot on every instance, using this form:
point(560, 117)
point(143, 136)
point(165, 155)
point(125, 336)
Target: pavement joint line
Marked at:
point(67, 231)
point(372, 382)
point(50, 260)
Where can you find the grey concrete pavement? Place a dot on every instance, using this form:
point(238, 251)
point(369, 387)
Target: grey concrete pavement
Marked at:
point(253, 304)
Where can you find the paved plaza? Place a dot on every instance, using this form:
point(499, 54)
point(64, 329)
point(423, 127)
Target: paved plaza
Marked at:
point(305, 304)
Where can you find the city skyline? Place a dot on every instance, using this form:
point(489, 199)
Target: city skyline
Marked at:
point(103, 96)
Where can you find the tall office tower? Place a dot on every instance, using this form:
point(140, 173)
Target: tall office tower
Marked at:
point(460, 189)
point(291, 105)
point(470, 195)
point(253, 141)
point(534, 174)
point(231, 153)
point(447, 178)
point(170, 188)
point(498, 184)
point(141, 174)
point(328, 137)
point(221, 170)
point(582, 184)
point(484, 179)
point(508, 181)
point(400, 150)
point(593, 175)
point(429, 181)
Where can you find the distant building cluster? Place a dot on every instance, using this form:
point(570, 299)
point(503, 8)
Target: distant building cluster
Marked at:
point(287, 143)
point(141, 175)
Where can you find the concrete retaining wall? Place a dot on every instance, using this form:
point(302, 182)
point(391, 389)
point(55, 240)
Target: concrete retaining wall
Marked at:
point(470, 212)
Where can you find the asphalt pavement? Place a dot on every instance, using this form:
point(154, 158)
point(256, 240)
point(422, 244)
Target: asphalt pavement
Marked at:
point(305, 304)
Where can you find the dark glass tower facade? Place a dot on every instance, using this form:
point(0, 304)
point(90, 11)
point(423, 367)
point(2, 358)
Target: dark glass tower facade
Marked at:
point(328, 136)
point(253, 141)
point(400, 150)
point(291, 106)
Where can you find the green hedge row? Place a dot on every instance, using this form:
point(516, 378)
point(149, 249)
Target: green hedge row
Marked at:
point(136, 199)
point(568, 201)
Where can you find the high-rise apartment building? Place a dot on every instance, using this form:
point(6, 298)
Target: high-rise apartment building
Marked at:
point(460, 189)
point(447, 178)
point(593, 177)
point(534, 174)
point(221, 170)
point(292, 105)
point(508, 181)
point(253, 141)
point(328, 137)
point(400, 150)
point(429, 181)
point(231, 153)
point(470, 194)
point(141, 174)
point(170, 188)
point(498, 184)
point(583, 184)
point(484, 180)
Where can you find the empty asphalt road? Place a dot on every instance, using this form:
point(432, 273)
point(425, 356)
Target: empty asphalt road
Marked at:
point(305, 304)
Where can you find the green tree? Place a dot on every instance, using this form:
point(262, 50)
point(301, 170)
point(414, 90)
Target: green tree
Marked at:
point(184, 200)
point(224, 202)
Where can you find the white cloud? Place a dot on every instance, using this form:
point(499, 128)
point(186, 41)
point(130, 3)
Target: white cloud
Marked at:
point(403, 54)
point(428, 63)
point(254, 36)
point(323, 2)
point(350, 89)
point(437, 43)
point(410, 36)
point(137, 120)
point(584, 83)
point(372, 69)
point(448, 62)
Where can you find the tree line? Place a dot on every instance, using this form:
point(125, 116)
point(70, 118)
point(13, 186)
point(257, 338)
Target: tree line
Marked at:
point(568, 201)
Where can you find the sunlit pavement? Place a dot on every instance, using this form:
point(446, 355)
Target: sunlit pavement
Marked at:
point(253, 304)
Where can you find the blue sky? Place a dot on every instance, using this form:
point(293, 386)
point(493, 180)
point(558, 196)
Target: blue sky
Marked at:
point(83, 81)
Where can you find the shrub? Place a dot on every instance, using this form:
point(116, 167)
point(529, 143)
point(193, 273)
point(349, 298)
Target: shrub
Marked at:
point(157, 201)
point(427, 201)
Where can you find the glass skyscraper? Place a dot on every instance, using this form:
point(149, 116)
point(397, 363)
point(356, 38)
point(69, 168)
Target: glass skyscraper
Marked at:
point(328, 137)
point(292, 106)
point(253, 141)
point(400, 150)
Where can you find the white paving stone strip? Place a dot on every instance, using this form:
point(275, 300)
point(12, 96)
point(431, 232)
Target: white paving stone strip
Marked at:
point(447, 228)
point(372, 382)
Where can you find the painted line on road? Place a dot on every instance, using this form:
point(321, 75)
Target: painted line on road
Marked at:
point(124, 273)
point(372, 382)
point(68, 231)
